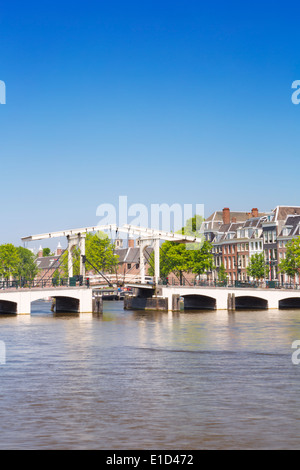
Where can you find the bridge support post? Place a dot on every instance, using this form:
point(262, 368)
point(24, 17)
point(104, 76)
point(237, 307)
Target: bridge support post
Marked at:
point(175, 303)
point(97, 302)
point(156, 261)
point(142, 261)
point(76, 240)
point(144, 243)
point(231, 302)
point(82, 252)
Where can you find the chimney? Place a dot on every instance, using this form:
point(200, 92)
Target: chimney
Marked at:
point(130, 243)
point(40, 252)
point(254, 212)
point(226, 215)
point(59, 249)
point(233, 220)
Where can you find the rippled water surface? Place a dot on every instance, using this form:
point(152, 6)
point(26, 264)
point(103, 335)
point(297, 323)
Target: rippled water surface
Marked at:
point(136, 380)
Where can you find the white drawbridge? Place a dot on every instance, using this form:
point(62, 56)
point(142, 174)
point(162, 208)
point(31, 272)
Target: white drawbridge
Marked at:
point(147, 237)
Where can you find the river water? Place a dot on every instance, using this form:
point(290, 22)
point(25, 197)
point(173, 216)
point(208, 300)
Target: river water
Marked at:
point(137, 380)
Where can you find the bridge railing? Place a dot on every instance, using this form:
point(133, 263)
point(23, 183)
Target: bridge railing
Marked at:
point(234, 284)
point(76, 281)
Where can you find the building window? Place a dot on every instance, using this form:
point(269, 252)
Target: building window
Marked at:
point(270, 236)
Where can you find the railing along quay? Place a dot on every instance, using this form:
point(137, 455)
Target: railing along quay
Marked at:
point(231, 285)
point(76, 281)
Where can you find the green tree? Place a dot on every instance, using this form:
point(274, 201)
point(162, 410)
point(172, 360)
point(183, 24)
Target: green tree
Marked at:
point(178, 259)
point(9, 261)
point(257, 268)
point(185, 257)
point(222, 274)
point(174, 257)
point(291, 264)
point(46, 252)
point(201, 260)
point(26, 268)
point(100, 252)
point(99, 255)
point(193, 228)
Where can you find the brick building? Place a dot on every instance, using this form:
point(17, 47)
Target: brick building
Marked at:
point(47, 265)
point(129, 260)
point(236, 236)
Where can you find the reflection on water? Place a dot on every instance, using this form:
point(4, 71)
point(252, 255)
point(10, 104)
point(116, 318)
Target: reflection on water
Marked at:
point(150, 380)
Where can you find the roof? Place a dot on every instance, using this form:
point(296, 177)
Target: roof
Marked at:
point(282, 212)
point(131, 255)
point(249, 227)
point(240, 216)
point(215, 220)
point(292, 223)
point(47, 262)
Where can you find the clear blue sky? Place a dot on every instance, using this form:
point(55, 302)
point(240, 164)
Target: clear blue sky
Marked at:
point(163, 101)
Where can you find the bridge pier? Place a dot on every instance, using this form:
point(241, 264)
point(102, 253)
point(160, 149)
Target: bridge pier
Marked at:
point(24, 306)
point(97, 302)
point(231, 302)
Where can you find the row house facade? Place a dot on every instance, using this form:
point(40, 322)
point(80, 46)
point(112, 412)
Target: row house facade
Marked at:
point(289, 231)
point(277, 230)
point(236, 236)
point(235, 242)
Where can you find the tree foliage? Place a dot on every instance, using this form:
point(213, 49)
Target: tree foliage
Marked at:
point(46, 252)
point(258, 268)
point(9, 261)
point(291, 264)
point(181, 257)
point(222, 274)
point(201, 260)
point(27, 268)
point(99, 255)
point(17, 262)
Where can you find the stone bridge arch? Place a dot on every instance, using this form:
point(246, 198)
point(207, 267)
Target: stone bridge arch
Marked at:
point(8, 307)
point(289, 302)
point(199, 302)
point(249, 302)
point(62, 302)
